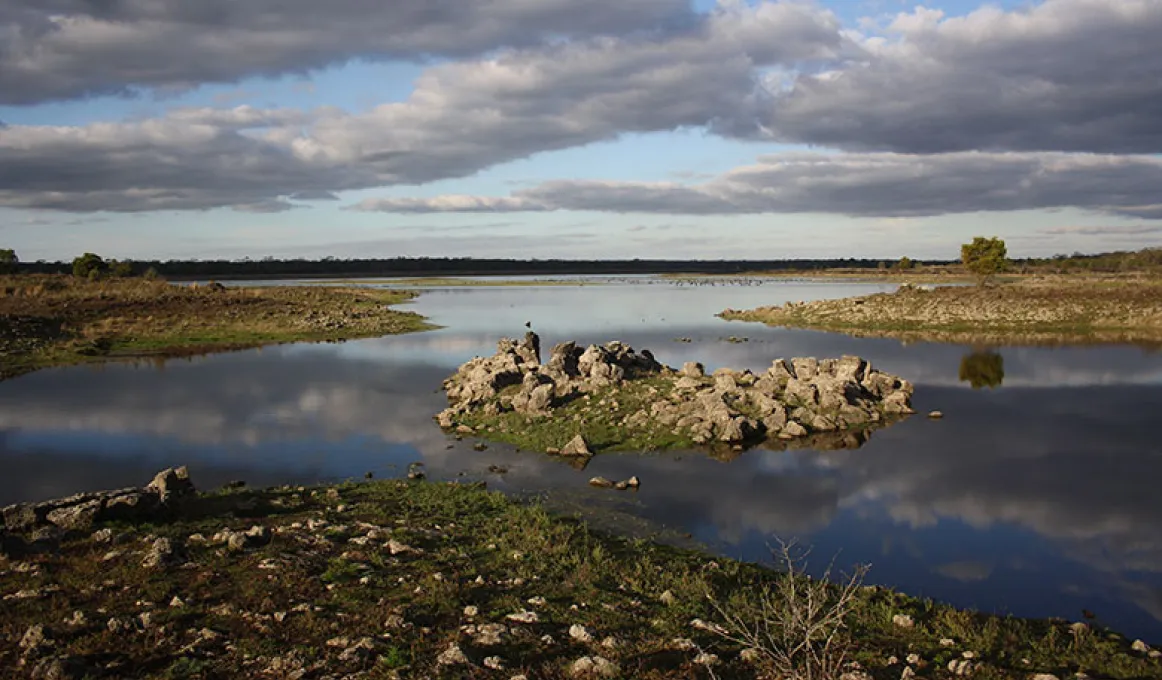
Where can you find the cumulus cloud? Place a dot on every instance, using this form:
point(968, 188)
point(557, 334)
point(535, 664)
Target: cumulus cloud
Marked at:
point(461, 117)
point(1065, 75)
point(873, 184)
point(1061, 75)
point(60, 49)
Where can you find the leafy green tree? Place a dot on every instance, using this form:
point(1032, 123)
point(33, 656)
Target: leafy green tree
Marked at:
point(984, 257)
point(89, 266)
point(120, 268)
point(982, 369)
point(8, 261)
point(905, 263)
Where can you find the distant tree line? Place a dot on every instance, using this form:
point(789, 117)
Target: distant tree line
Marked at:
point(270, 267)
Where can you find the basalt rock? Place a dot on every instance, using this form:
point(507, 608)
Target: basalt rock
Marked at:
point(790, 400)
point(81, 511)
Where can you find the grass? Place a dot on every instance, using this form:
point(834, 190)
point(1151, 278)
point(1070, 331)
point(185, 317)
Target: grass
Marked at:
point(61, 320)
point(1042, 310)
point(304, 600)
point(599, 417)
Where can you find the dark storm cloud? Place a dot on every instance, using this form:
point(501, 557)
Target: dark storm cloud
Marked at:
point(1063, 75)
point(875, 185)
point(62, 49)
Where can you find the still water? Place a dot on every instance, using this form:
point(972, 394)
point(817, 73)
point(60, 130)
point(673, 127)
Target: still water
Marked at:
point(1036, 495)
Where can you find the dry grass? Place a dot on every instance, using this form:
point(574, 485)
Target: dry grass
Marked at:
point(1037, 310)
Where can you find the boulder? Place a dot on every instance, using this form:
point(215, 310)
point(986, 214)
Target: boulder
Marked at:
point(693, 369)
point(576, 447)
point(171, 484)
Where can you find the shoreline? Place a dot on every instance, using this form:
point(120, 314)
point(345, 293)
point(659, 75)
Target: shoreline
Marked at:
point(422, 579)
point(61, 321)
point(1037, 311)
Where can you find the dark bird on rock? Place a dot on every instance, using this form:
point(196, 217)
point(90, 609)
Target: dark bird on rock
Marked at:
point(528, 324)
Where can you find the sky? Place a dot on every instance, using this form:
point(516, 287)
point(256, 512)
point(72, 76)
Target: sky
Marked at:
point(764, 129)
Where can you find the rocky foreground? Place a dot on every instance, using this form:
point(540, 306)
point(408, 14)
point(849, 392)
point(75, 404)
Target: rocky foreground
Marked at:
point(624, 399)
point(398, 579)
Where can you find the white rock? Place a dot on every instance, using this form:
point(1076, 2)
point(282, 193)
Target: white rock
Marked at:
point(667, 598)
point(537, 601)
point(494, 662)
point(749, 655)
point(907, 673)
point(471, 611)
point(1140, 646)
point(452, 656)
point(610, 642)
point(947, 642)
point(523, 617)
point(903, 621)
point(580, 633)
point(913, 659)
point(594, 666)
point(1044, 676)
point(960, 666)
point(706, 659)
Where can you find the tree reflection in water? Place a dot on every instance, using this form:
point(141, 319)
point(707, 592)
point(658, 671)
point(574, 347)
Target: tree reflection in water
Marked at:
point(984, 368)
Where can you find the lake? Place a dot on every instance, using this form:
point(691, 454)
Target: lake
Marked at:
point(1037, 494)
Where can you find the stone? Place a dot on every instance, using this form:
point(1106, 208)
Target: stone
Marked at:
point(667, 598)
point(488, 634)
point(60, 668)
point(750, 655)
point(706, 659)
point(913, 658)
point(908, 673)
point(580, 633)
point(1043, 676)
point(594, 667)
point(577, 446)
point(494, 662)
point(600, 482)
point(171, 484)
point(1140, 647)
point(523, 617)
point(935, 415)
point(36, 638)
point(76, 517)
point(960, 666)
point(903, 621)
point(452, 656)
point(163, 553)
point(693, 369)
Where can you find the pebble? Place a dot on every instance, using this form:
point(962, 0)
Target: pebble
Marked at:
point(580, 633)
point(471, 611)
point(452, 656)
point(594, 666)
point(935, 415)
point(523, 617)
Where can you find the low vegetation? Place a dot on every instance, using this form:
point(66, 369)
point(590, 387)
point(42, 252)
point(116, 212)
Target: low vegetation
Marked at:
point(1045, 310)
point(392, 579)
point(48, 320)
point(609, 397)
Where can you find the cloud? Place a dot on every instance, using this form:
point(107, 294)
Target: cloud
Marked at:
point(461, 118)
point(1129, 230)
point(63, 49)
point(862, 185)
point(1062, 75)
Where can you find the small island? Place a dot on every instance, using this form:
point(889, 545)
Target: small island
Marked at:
point(609, 397)
point(57, 320)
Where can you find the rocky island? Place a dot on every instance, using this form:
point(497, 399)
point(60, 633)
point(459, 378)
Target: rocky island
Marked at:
point(611, 397)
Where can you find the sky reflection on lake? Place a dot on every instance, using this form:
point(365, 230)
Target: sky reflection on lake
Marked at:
point(1036, 497)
